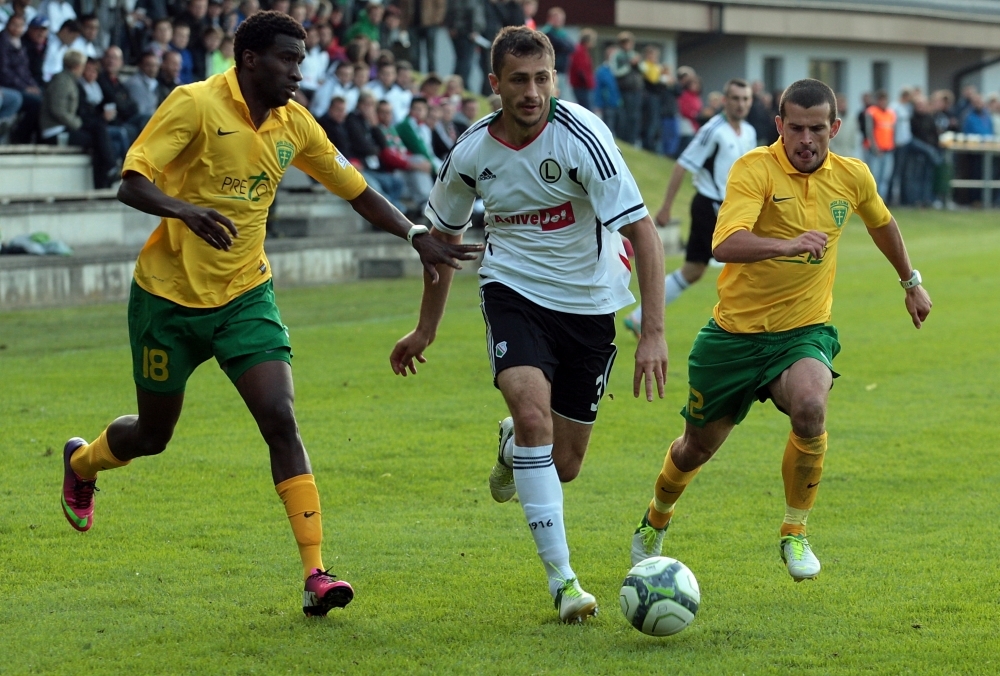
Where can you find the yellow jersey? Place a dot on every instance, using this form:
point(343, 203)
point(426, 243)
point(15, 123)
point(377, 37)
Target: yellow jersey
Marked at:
point(766, 195)
point(202, 147)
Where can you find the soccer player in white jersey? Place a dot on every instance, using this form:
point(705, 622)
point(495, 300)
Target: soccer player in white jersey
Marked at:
point(557, 195)
point(718, 144)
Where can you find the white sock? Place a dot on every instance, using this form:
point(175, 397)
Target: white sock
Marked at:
point(674, 286)
point(538, 486)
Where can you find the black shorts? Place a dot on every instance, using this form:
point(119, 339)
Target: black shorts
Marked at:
point(704, 214)
point(575, 352)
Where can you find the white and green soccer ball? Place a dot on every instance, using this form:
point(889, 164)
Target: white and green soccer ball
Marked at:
point(660, 596)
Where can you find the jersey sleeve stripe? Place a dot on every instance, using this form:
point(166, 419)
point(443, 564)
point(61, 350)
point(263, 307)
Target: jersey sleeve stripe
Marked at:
point(605, 166)
point(710, 128)
point(445, 226)
point(628, 211)
point(468, 132)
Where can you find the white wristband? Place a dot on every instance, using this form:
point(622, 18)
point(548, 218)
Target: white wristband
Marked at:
point(414, 231)
point(914, 280)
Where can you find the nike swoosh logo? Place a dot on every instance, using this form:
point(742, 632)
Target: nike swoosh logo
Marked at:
point(774, 198)
point(307, 514)
point(225, 133)
point(812, 485)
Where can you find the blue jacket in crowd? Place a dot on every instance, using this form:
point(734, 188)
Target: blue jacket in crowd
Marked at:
point(606, 95)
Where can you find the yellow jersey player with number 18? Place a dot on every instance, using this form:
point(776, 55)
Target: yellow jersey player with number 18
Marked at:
point(769, 338)
point(208, 163)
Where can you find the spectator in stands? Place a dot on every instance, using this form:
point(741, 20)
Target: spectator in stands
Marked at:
point(386, 88)
point(10, 104)
point(15, 74)
point(159, 42)
point(115, 91)
point(469, 112)
point(607, 98)
point(454, 89)
point(211, 40)
point(195, 15)
point(314, 65)
point(338, 22)
point(416, 134)
point(144, 88)
point(330, 43)
point(466, 20)
point(224, 57)
point(423, 19)
point(56, 49)
point(651, 96)
point(360, 127)
point(170, 72)
point(581, 70)
point(942, 102)
point(977, 116)
point(179, 45)
point(394, 36)
point(90, 41)
point(368, 22)
point(362, 76)
point(430, 89)
point(21, 8)
point(530, 8)
point(715, 101)
point(498, 13)
point(101, 116)
point(688, 106)
point(760, 117)
point(340, 85)
point(446, 131)
point(37, 45)
point(60, 114)
point(903, 108)
point(669, 90)
point(404, 77)
point(416, 170)
point(58, 13)
point(630, 83)
point(333, 123)
point(845, 143)
point(562, 43)
point(300, 12)
point(925, 155)
point(246, 8)
point(880, 133)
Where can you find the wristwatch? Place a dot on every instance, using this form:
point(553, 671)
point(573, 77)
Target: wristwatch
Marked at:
point(422, 230)
point(914, 280)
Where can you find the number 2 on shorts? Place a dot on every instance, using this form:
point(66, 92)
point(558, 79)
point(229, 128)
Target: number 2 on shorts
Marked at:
point(154, 364)
point(695, 403)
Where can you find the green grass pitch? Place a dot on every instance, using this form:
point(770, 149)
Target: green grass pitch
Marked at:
point(191, 566)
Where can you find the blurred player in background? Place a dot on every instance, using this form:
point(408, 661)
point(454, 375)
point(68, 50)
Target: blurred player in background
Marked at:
point(778, 230)
point(718, 144)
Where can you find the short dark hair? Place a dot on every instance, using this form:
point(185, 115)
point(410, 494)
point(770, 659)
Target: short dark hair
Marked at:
point(69, 25)
point(418, 99)
point(735, 82)
point(519, 41)
point(808, 93)
point(258, 31)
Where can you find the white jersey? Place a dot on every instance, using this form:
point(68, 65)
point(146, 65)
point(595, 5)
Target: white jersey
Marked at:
point(712, 153)
point(553, 210)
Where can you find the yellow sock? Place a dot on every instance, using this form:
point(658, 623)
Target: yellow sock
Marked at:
point(91, 458)
point(669, 485)
point(302, 506)
point(801, 470)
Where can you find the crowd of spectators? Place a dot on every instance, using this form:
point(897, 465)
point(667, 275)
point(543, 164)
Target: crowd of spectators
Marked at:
point(62, 82)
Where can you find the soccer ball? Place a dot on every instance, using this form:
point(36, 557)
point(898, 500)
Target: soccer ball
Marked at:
point(660, 596)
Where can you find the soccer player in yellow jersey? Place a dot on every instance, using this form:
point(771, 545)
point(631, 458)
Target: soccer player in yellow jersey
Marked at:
point(777, 233)
point(208, 163)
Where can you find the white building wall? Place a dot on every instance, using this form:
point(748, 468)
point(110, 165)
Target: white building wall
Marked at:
point(991, 76)
point(907, 65)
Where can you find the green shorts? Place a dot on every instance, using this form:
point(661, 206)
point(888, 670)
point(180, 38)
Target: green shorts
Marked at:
point(169, 341)
point(727, 371)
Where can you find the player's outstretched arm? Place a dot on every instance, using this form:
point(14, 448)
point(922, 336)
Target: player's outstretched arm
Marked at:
point(889, 241)
point(651, 353)
point(411, 346)
point(140, 193)
point(433, 251)
point(745, 247)
point(676, 178)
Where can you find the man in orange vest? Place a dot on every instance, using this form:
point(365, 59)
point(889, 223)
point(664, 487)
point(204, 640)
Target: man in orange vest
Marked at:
point(880, 142)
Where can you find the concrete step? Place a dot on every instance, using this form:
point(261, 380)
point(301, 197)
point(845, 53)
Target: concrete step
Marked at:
point(80, 219)
point(34, 171)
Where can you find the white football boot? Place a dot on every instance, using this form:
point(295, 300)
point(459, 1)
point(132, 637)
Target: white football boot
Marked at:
point(573, 603)
point(799, 558)
point(502, 486)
